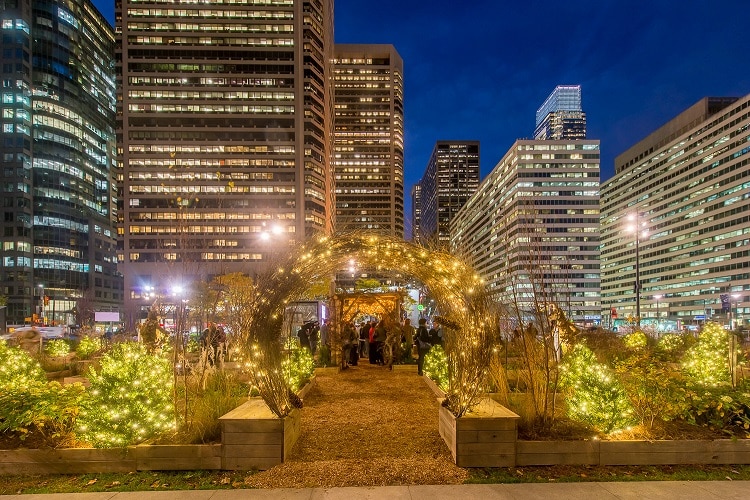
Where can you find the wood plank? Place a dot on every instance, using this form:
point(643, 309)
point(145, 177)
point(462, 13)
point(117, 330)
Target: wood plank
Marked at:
point(472, 423)
point(231, 438)
point(509, 436)
point(562, 447)
point(485, 449)
point(249, 425)
point(253, 451)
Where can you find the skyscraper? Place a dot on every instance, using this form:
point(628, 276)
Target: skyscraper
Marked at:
point(533, 226)
point(687, 185)
point(58, 152)
point(561, 116)
point(368, 159)
point(451, 177)
point(416, 213)
point(225, 136)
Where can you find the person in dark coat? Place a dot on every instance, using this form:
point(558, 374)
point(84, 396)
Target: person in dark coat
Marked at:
point(422, 341)
point(436, 336)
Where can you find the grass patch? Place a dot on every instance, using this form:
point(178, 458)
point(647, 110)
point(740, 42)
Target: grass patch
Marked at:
point(126, 481)
point(582, 473)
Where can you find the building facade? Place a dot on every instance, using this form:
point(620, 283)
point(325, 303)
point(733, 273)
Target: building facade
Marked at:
point(532, 228)
point(688, 186)
point(451, 177)
point(416, 213)
point(368, 155)
point(224, 134)
point(59, 255)
point(561, 116)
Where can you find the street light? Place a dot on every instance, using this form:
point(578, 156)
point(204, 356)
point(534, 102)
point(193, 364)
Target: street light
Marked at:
point(657, 298)
point(41, 303)
point(736, 297)
point(636, 226)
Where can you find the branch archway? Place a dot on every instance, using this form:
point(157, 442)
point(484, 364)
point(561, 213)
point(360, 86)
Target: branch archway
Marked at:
point(457, 289)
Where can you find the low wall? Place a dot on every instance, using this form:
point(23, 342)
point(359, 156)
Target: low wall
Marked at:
point(487, 437)
point(252, 438)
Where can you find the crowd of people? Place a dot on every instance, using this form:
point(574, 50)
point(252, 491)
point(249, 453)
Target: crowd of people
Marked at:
point(382, 342)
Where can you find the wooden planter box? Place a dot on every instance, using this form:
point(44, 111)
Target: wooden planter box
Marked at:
point(254, 438)
point(67, 461)
point(485, 437)
point(178, 457)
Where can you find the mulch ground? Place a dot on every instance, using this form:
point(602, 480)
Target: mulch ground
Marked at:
point(366, 426)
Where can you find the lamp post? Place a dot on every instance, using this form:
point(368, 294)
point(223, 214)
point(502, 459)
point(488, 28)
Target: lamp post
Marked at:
point(657, 298)
point(733, 322)
point(41, 303)
point(636, 227)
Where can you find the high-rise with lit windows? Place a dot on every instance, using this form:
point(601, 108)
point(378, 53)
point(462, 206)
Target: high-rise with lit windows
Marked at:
point(224, 132)
point(368, 159)
point(451, 177)
point(533, 225)
point(561, 115)
point(57, 155)
point(687, 185)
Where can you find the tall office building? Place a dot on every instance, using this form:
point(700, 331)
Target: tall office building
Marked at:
point(368, 156)
point(225, 136)
point(57, 154)
point(534, 224)
point(688, 185)
point(561, 116)
point(416, 213)
point(451, 177)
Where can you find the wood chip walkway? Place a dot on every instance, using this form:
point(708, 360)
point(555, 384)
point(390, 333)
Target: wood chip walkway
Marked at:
point(366, 426)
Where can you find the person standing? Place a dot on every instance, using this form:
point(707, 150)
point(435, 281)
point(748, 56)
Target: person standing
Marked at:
point(371, 347)
point(422, 340)
point(436, 334)
point(407, 339)
point(381, 335)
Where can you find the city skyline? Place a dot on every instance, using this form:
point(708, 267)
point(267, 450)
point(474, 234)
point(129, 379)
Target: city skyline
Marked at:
point(639, 65)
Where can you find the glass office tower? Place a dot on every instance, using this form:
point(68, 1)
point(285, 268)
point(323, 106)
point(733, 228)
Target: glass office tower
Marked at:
point(561, 115)
point(58, 152)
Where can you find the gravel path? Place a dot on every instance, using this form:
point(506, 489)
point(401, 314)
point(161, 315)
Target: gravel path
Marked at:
point(366, 426)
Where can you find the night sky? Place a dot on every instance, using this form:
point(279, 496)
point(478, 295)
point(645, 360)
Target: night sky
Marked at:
point(479, 69)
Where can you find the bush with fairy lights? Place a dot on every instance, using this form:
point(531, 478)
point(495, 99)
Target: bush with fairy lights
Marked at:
point(706, 363)
point(130, 398)
point(57, 348)
point(28, 403)
point(17, 367)
point(298, 367)
point(88, 346)
point(594, 396)
point(436, 367)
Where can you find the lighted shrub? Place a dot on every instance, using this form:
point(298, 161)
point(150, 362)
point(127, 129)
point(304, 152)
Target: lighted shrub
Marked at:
point(87, 346)
point(57, 348)
point(18, 368)
point(594, 396)
point(706, 364)
point(130, 398)
point(436, 367)
point(636, 340)
point(298, 367)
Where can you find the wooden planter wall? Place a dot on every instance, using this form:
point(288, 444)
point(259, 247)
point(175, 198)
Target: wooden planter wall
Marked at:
point(252, 438)
point(487, 437)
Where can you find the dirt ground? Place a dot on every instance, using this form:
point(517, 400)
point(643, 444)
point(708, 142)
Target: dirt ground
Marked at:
point(366, 426)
